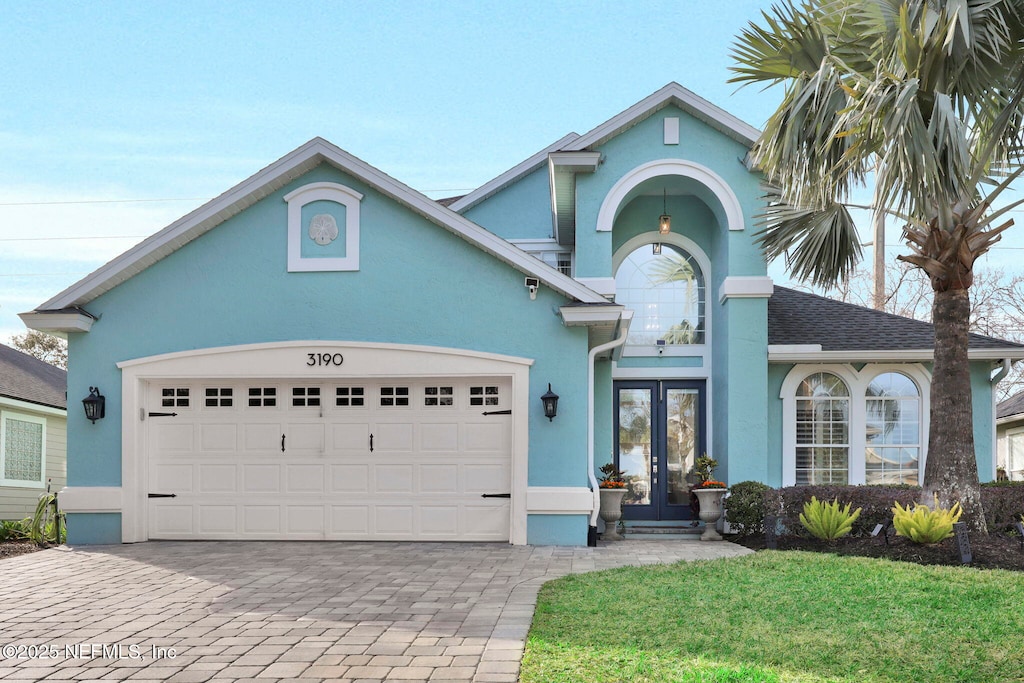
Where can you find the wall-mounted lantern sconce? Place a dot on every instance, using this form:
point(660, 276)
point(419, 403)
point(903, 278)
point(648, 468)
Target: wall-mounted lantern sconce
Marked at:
point(664, 220)
point(95, 405)
point(550, 400)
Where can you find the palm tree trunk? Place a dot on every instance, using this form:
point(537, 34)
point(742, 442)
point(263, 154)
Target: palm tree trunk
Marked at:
point(951, 470)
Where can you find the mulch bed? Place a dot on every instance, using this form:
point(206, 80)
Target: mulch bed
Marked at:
point(12, 548)
point(995, 551)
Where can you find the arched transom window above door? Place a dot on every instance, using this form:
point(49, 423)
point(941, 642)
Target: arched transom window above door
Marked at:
point(664, 286)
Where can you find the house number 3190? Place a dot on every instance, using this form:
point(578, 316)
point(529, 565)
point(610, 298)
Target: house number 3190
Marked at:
point(316, 359)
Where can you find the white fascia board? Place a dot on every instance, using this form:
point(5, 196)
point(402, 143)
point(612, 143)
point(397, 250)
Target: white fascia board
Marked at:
point(57, 323)
point(277, 175)
point(29, 407)
point(510, 176)
point(795, 354)
point(688, 101)
point(574, 162)
point(746, 287)
point(573, 316)
point(1009, 419)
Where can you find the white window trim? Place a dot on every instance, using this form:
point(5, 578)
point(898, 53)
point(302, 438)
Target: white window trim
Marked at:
point(1013, 431)
point(702, 351)
point(857, 382)
point(4, 415)
point(332, 192)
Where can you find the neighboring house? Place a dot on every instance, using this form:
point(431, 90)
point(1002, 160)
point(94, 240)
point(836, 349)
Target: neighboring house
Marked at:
point(322, 352)
point(1010, 437)
point(33, 431)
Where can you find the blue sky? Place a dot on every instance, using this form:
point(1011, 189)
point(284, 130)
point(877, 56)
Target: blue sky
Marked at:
point(173, 103)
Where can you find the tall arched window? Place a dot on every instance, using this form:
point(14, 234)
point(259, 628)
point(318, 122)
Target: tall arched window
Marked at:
point(823, 430)
point(665, 291)
point(892, 430)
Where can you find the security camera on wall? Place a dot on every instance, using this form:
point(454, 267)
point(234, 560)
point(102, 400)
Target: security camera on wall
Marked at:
point(532, 284)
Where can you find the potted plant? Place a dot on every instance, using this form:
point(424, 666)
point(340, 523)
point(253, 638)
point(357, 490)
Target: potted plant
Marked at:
point(613, 488)
point(709, 493)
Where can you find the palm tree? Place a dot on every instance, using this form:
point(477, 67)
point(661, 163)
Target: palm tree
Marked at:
point(926, 97)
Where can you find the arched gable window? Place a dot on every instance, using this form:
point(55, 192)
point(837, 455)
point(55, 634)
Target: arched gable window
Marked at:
point(892, 430)
point(823, 430)
point(666, 293)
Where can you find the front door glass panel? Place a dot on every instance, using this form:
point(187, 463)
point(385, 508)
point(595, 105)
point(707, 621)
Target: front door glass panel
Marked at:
point(659, 434)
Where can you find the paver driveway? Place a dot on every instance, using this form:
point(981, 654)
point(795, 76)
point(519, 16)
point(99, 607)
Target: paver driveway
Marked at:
point(282, 611)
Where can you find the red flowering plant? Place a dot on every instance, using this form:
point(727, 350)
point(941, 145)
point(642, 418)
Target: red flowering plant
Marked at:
point(612, 478)
point(704, 468)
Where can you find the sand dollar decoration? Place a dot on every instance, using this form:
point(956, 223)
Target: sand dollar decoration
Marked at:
point(323, 229)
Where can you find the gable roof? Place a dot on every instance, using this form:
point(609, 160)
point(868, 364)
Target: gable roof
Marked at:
point(510, 176)
point(671, 94)
point(29, 379)
point(798, 319)
point(274, 177)
point(1011, 407)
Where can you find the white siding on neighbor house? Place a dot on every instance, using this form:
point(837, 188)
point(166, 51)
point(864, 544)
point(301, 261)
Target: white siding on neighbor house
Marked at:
point(19, 502)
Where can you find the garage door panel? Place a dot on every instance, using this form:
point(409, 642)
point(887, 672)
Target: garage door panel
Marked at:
point(264, 437)
point(261, 520)
point(349, 521)
point(350, 479)
point(305, 520)
point(439, 478)
point(175, 438)
point(261, 478)
point(439, 438)
point(176, 478)
point(393, 479)
point(433, 457)
point(218, 519)
point(218, 437)
point(304, 479)
point(486, 437)
point(218, 478)
point(393, 520)
point(483, 478)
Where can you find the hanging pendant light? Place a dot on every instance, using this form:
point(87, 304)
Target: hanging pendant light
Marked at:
point(665, 220)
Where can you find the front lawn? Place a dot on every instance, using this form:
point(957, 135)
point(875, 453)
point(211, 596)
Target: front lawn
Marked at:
point(779, 617)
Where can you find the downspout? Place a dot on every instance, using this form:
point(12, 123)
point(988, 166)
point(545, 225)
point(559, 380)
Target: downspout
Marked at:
point(591, 359)
point(996, 378)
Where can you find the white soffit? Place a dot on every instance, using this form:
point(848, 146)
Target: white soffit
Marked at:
point(510, 176)
point(673, 93)
point(58, 323)
point(276, 176)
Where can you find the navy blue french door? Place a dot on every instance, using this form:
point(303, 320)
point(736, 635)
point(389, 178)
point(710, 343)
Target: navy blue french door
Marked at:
point(659, 432)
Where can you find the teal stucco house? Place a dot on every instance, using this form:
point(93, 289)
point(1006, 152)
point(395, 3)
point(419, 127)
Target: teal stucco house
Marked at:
point(322, 352)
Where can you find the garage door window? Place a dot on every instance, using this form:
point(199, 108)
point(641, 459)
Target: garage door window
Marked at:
point(219, 397)
point(349, 397)
point(483, 396)
point(174, 397)
point(394, 396)
point(438, 396)
point(262, 397)
point(305, 397)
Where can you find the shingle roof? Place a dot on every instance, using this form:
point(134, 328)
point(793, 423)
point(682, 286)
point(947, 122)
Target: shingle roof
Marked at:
point(796, 317)
point(25, 378)
point(1011, 406)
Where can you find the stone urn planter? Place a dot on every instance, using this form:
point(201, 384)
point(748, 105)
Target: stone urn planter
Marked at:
point(710, 511)
point(611, 513)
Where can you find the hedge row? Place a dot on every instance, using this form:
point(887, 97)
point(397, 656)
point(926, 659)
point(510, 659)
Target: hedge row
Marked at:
point(1003, 503)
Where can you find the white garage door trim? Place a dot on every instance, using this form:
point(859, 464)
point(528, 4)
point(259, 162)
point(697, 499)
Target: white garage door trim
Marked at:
point(291, 360)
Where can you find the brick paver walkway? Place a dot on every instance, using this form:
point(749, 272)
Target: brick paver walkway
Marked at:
point(177, 611)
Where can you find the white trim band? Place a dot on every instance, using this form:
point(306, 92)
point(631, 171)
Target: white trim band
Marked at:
point(559, 500)
point(746, 287)
point(90, 499)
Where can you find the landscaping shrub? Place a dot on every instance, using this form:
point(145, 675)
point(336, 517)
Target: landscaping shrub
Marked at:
point(745, 507)
point(924, 524)
point(828, 521)
point(13, 531)
point(1003, 502)
point(875, 502)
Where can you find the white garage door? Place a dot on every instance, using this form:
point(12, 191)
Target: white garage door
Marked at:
point(347, 460)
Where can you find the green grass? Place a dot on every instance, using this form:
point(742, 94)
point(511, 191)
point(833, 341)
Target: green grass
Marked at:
point(778, 617)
